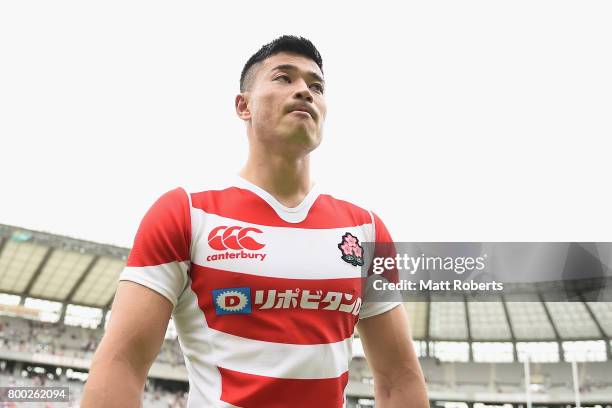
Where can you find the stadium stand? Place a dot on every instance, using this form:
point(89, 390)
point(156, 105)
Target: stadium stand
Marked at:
point(56, 294)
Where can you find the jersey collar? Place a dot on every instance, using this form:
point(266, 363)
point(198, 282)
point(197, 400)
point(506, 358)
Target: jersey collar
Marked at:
point(290, 214)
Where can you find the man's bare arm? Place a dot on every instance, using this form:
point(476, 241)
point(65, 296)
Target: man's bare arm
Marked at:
point(398, 378)
point(130, 344)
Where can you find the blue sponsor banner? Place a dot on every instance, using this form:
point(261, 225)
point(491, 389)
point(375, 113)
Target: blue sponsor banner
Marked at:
point(232, 301)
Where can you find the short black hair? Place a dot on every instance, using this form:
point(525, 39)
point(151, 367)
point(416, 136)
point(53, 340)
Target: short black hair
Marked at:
point(285, 43)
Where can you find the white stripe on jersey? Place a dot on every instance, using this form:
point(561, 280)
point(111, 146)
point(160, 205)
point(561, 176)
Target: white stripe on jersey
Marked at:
point(278, 253)
point(279, 360)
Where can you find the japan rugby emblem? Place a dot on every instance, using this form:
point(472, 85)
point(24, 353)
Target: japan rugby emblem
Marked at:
point(352, 252)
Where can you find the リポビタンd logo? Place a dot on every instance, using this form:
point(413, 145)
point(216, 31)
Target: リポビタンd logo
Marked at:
point(232, 301)
point(352, 252)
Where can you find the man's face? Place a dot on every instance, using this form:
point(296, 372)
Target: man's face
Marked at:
point(286, 103)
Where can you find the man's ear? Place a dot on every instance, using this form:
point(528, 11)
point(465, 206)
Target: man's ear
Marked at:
point(242, 106)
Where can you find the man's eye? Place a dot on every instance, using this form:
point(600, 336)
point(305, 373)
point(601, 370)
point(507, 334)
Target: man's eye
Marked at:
point(317, 86)
point(284, 78)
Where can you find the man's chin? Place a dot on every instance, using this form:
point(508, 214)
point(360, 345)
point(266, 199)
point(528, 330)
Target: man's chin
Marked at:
point(301, 140)
point(304, 137)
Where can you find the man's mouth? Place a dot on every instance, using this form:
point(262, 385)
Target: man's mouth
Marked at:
point(304, 110)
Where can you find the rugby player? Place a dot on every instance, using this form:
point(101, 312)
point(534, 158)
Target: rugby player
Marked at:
point(262, 274)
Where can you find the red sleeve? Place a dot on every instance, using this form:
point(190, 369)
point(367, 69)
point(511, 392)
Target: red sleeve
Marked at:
point(384, 247)
point(382, 233)
point(164, 234)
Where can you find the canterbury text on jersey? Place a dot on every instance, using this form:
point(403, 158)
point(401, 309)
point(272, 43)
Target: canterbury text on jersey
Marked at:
point(266, 298)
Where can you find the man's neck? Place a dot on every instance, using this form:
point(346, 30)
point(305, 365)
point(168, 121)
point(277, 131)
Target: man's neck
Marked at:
point(286, 179)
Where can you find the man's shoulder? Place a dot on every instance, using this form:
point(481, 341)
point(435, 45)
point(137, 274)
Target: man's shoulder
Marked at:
point(343, 202)
point(212, 185)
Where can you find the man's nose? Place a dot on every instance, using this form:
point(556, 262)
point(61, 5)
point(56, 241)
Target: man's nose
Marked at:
point(303, 92)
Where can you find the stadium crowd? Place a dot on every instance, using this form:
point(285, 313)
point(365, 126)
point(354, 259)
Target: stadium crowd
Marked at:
point(58, 339)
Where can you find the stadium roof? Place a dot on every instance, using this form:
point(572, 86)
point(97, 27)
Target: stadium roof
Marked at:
point(58, 268)
point(69, 270)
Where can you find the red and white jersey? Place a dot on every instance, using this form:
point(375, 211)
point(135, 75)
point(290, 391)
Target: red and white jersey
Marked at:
point(265, 297)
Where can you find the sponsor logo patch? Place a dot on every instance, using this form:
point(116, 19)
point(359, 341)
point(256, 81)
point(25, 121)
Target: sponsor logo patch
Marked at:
point(307, 299)
point(238, 300)
point(232, 301)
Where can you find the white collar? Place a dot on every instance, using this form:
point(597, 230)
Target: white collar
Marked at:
point(290, 214)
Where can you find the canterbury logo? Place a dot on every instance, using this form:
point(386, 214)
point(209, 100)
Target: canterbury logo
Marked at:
point(222, 238)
